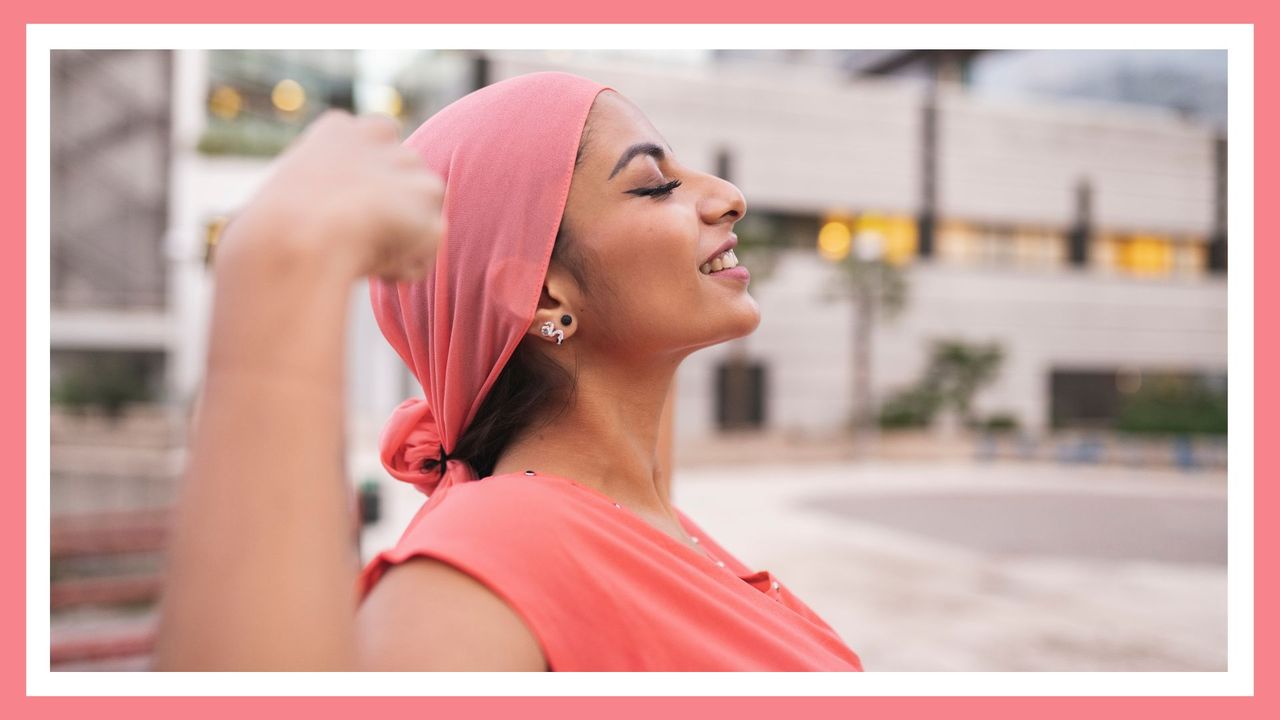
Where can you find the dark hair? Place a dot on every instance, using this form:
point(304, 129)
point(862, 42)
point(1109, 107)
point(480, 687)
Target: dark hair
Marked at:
point(530, 383)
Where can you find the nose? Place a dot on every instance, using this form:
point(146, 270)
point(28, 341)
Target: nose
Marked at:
point(722, 202)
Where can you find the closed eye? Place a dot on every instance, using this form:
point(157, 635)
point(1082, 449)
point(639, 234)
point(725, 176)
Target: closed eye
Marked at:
point(660, 191)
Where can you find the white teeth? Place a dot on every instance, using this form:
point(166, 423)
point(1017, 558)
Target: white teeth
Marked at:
point(724, 261)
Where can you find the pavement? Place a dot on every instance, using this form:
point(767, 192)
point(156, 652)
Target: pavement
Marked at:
point(987, 566)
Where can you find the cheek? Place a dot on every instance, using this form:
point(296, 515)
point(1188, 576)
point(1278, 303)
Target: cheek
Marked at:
point(653, 294)
point(662, 287)
point(658, 255)
point(653, 283)
point(676, 283)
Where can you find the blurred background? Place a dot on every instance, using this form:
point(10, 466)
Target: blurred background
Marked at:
point(982, 425)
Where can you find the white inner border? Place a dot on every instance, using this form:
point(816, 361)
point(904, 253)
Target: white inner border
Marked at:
point(1237, 39)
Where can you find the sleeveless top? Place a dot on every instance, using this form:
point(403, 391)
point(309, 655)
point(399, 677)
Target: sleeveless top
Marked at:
point(603, 590)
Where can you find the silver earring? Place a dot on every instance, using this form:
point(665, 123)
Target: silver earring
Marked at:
point(549, 329)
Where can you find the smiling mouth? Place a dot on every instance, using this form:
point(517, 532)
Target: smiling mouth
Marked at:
point(726, 260)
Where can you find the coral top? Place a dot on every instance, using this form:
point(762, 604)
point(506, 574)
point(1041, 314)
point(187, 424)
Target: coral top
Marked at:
point(603, 590)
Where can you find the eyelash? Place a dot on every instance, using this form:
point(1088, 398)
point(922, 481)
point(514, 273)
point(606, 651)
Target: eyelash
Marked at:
point(660, 191)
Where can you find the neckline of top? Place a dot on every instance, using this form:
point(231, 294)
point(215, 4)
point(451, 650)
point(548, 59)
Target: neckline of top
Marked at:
point(684, 521)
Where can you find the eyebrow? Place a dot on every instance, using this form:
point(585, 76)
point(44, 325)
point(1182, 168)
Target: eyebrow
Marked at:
point(640, 148)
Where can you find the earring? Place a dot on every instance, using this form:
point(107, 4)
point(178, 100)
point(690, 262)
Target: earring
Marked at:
point(549, 329)
point(566, 320)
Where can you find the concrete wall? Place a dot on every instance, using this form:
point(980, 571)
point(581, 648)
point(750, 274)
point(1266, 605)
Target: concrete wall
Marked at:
point(1018, 161)
point(1043, 320)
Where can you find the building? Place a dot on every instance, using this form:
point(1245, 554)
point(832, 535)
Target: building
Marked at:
point(1086, 239)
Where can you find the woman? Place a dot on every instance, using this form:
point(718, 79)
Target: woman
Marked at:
point(581, 263)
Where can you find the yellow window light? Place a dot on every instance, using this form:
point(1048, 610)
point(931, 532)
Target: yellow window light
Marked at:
point(834, 240)
point(1191, 256)
point(225, 102)
point(1105, 252)
point(1147, 254)
point(898, 234)
point(955, 240)
point(288, 95)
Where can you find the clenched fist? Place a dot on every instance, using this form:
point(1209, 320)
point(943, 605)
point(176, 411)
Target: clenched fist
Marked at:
point(346, 197)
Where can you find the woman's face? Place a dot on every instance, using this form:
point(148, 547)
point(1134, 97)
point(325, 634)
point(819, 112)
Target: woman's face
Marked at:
point(642, 252)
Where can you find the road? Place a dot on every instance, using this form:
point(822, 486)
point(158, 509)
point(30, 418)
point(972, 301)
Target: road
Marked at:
point(987, 567)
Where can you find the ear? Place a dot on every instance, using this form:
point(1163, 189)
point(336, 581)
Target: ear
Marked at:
point(555, 302)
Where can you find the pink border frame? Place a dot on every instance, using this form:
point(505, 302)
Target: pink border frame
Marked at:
point(13, 307)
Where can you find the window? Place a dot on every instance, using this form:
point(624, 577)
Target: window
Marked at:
point(1017, 246)
point(740, 391)
point(1150, 254)
point(898, 234)
point(1085, 398)
point(259, 100)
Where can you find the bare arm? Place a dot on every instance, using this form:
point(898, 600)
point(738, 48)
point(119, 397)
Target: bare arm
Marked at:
point(261, 571)
point(261, 568)
point(425, 614)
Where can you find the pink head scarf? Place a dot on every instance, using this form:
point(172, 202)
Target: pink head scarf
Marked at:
point(506, 153)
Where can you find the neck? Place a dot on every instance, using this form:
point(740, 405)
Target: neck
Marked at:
point(607, 438)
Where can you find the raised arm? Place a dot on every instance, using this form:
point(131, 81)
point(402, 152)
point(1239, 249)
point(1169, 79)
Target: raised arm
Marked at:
point(261, 568)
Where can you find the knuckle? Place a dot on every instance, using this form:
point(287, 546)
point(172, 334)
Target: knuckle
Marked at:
point(333, 116)
point(381, 126)
point(328, 122)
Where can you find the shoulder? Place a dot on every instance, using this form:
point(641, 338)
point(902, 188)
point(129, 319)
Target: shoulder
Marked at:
point(509, 529)
point(427, 614)
point(474, 583)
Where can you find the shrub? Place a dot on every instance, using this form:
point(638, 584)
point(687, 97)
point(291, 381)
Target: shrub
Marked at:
point(108, 381)
point(911, 407)
point(999, 423)
point(1172, 405)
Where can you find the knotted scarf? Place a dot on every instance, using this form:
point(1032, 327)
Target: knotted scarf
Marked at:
point(506, 154)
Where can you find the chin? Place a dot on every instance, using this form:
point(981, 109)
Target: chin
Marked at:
point(746, 322)
point(740, 324)
point(753, 316)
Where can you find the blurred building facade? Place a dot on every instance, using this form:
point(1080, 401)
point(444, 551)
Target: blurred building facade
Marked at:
point(111, 337)
point(1087, 240)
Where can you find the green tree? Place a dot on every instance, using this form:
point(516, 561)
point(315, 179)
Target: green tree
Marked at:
point(955, 373)
point(878, 290)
